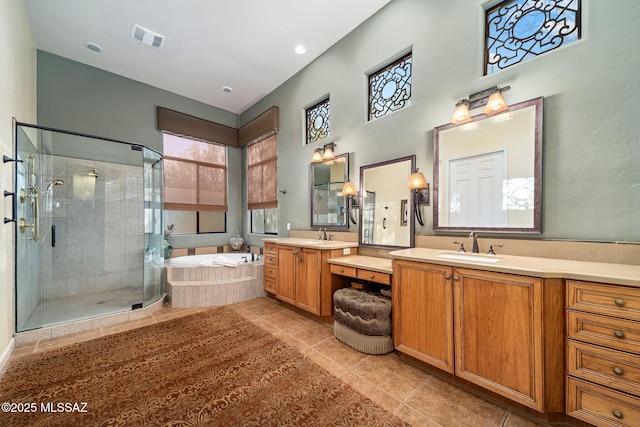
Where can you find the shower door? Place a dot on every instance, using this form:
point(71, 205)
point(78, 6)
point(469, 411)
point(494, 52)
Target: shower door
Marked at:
point(81, 246)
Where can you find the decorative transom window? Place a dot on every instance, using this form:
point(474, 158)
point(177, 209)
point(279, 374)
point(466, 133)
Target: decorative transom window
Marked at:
point(517, 30)
point(390, 88)
point(318, 121)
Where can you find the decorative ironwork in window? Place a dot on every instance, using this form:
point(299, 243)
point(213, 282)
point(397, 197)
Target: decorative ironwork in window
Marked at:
point(517, 30)
point(318, 121)
point(390, 88)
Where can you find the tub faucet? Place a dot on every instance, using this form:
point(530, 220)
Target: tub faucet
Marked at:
point(474, 236)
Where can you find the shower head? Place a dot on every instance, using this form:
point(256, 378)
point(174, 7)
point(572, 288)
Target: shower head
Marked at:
point(93, 173)
point(54, 182)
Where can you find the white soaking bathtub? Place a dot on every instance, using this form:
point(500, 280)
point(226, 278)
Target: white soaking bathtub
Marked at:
point(229, 259)
point(211, 280)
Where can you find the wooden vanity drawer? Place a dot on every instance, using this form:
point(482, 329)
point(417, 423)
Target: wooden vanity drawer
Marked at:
point(618, 334)
point(270, 272)
point(607, 367)
point(270, 248)
point(343, 271)
point(601, 406)
point(612, 300)
point(374, 276)
point(270, 259)
point(270, 285)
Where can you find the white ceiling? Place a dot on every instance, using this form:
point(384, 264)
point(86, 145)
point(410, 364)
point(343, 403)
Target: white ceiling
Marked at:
point(247, 45)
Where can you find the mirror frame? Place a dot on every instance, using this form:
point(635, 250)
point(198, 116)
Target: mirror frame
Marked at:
point(313, 225)
point(410, 200)
point(536, 228)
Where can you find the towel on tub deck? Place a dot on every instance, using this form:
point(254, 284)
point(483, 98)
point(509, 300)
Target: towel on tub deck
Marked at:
point(220, 260)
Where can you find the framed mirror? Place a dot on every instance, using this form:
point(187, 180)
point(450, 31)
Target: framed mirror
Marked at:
point(487, 173)
point(386, 205)
point(329, 208)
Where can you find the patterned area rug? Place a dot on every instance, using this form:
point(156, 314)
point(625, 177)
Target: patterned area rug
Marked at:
point(213, 368)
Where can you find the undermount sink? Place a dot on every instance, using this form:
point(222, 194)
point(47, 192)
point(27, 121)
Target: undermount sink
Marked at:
point(470, 257)
point(312, 242)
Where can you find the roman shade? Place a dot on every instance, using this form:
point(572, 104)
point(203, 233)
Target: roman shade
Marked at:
point(262, 173)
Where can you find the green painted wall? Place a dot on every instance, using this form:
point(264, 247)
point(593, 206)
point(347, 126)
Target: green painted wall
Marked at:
point(591, 178)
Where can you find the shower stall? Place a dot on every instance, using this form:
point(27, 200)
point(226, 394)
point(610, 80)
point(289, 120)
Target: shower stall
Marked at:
point(89, 232)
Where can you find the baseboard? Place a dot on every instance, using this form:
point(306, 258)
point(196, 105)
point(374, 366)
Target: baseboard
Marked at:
point(6, 354)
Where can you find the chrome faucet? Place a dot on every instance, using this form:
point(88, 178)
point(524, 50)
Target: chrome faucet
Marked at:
point(474, 236)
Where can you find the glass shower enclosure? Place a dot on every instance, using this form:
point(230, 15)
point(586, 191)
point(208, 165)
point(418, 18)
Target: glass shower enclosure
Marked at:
point(89, 231)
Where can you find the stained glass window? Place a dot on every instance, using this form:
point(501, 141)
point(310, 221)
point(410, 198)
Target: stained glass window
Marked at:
point(318, 121)
point(517, 30)
point(390, 88)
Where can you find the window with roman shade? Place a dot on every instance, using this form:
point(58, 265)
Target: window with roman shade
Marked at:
point(195, 175)
point(262, 173)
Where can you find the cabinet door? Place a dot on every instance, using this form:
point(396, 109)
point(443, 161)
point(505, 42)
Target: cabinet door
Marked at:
point(423, 312)
point(498, 330)
point(285, 282)
point(308, 280)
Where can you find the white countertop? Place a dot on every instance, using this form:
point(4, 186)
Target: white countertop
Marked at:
point(311, 243)
point(622, 274)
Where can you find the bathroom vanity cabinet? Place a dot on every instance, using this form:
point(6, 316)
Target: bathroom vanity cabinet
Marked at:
point(502, 332)
point(298, 280)
point(302, 273)
point(603, 329)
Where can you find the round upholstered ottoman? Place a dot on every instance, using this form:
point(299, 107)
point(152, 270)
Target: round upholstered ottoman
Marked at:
point(363, 320)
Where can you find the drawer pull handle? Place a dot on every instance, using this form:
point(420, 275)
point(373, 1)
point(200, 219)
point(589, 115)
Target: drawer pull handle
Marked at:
point(371, 276)
point(618, 334)
point(456, 278)
point(447, 276)
point(342, 270)
point(620, 302)
point(618, 414)
point(618, 371)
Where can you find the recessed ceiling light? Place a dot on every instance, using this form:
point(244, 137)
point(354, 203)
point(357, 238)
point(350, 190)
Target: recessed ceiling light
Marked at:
point(227, 89)
point(93, 46)
point(300, 49)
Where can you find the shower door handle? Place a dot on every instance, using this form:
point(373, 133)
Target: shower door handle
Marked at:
point(53, 236)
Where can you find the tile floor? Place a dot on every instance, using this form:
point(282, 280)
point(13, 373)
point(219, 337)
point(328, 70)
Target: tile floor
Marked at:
point(413, 394)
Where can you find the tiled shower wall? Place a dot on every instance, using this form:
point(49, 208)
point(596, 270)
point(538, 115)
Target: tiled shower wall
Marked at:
point(99, 228)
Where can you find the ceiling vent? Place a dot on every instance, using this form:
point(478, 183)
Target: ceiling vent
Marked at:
point(146, 36)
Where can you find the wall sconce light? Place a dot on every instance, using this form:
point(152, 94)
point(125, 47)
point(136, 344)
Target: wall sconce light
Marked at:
point(349, 190)
point(420, 189)
point(491, 98)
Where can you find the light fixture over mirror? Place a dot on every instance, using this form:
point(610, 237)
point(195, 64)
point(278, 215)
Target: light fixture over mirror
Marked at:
point(461, 114)
point(317, 156)
point(328, 151)
point(490, 98)
point(324, 153)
